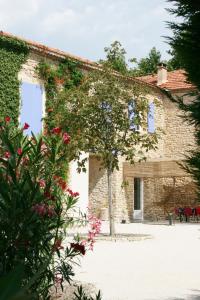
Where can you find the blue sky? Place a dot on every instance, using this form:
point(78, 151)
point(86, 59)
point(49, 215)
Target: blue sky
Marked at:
point(85, 27)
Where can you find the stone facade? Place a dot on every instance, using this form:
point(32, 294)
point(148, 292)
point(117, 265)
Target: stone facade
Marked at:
point(176, 138)
point(77, 182)
point(160, 195)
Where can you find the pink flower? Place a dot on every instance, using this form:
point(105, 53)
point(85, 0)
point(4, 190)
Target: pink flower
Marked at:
point(92, 246)
point(56, 130)
point(78, 248)
point(66, 138)
point(91, 235)
point(42, 183)
point(25, 161)
point(73, 194)
point(26, 126)
point(19, 151)
point(7, 119)
point(7, 154)
point(40, 209)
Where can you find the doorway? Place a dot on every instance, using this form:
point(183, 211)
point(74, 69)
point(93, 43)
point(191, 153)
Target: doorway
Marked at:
point(138, 199)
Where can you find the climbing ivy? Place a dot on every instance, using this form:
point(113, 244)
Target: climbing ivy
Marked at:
point(13, 53)
point(65, 76)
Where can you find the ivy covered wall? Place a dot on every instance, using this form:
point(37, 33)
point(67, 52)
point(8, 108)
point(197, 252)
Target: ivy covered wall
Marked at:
point(13, 53)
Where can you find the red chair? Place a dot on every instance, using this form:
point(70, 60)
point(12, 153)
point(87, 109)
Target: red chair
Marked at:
point(197, 212)
point(187, 213)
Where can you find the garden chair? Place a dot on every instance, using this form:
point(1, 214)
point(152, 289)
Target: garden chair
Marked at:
point(197, 212)
point(187, 213)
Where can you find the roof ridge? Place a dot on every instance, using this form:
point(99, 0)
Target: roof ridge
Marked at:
point(49, 49)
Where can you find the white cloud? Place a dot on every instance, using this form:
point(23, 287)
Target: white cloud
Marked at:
point(57, 20)
point(86, 27)
point(12, 12)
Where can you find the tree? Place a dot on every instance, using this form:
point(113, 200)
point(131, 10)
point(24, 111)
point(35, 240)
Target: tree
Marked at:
point(173, 63)
point(115, 57)
point(108, 116)
point(116, 60)
point(186, 44)
point(147, 65)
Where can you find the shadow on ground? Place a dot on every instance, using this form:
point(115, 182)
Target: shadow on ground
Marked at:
point(188, 297)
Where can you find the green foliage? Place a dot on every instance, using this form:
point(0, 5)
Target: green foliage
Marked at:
point(116, 60)
point(81, 295)
point(115, 57)
point(13, 54)
point(34, 208)
point(174, 62)
point(186, 44)
point(65, 76)
point(97, 110)
point(109, 131)
point(186, 39)
point(149, 64)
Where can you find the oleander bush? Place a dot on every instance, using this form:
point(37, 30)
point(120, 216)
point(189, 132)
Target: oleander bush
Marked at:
point(35, 209)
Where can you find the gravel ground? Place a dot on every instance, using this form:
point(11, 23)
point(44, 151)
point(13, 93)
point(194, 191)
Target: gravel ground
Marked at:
point(165, 267)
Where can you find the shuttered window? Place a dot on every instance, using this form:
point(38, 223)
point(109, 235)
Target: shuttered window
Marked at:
point(31, 107)
point(151, 121)
point(131, 115)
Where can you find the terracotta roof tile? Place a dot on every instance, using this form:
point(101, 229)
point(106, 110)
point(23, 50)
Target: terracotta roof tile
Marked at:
point(51, 51)
point(176, 80)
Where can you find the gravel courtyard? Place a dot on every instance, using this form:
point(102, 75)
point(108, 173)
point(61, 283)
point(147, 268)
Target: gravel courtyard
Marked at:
point(166, 267)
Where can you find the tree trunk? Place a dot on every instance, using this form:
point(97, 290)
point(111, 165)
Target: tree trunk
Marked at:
point(111, 215)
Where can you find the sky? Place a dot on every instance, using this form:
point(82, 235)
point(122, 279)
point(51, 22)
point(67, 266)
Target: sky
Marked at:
point(85, 27)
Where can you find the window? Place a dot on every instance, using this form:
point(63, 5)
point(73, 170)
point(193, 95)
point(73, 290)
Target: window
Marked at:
point(107, 109)
point(151, 121)
point(131, 116)
point(31, 107)
point(137, 196)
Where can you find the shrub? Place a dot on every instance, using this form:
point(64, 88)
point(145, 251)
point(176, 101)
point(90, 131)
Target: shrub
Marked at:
point(34, 208)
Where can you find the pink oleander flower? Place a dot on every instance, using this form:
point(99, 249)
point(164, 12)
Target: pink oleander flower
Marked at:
point(56, 130)
point(7, 155)
point(66, 138)
point(42, 183)
point(7, 119)
point(26, 126)
point(25, 160)
point(78, 248)
point(40, 209)
point(73, 194)
point(95, 228)
point(60, 182)
point(19, 151)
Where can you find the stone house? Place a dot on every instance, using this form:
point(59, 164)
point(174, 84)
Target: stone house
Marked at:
point(154, 187)
point(141, 191)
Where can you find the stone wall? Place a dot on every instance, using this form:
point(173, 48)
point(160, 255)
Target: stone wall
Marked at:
point(98, 190)
point(78, 182)
point(162, 195)
point(176, 138)
point(179, 137)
